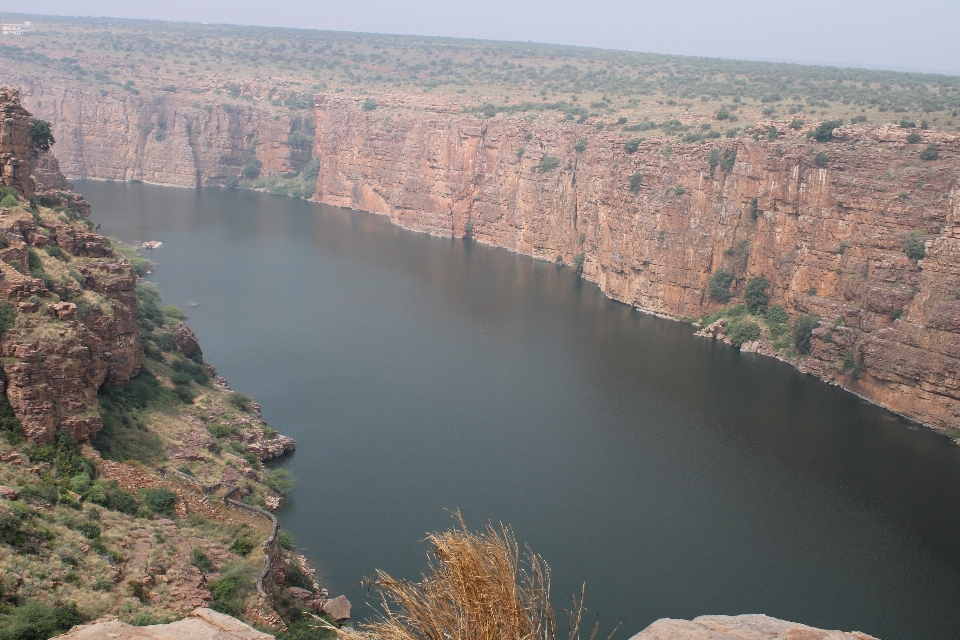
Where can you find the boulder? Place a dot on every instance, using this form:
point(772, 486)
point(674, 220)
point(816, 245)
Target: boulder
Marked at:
point(9, 493)
point(185, 341)
point(201, 624)
point(338, 608)
point(744, 627)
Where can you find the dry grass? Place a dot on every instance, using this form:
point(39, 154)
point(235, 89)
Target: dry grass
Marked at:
point(477, 588)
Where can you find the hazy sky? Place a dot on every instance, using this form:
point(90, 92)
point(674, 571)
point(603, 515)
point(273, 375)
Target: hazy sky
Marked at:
point(910, 35)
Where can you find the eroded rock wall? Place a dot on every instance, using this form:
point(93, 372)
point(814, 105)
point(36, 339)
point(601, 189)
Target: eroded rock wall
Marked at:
point(168, 138)
point(68, 335)
point(828, 232)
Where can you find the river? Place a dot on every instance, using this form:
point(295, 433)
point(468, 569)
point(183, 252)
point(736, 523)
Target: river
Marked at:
point(674, 475)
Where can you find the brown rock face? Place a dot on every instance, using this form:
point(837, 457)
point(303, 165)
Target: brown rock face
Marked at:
point(830, 238)
point(167, 140)
point(16, 144)
point(60, 350)
point(46, 172)
point(185, 340)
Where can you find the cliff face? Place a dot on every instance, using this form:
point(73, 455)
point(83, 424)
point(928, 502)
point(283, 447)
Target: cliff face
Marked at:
point(829, 235)
point(170, 139)
point(74, 323)
point(16, 143)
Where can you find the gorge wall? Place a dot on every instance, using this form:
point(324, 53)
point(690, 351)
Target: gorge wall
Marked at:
point(168, 139)
point(828, 231)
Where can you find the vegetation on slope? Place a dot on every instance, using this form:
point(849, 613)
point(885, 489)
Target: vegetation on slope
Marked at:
point(82, 536)
point(226, 61)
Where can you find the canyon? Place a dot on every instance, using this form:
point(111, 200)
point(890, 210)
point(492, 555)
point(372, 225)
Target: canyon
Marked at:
point(825, 222)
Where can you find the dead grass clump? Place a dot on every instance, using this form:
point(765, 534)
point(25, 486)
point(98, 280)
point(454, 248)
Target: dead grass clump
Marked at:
point(476, 588)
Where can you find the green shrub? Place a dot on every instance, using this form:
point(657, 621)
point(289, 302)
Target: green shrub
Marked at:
point(720, 283)
point(9, 423)
point(9, 202)
point(578, 261)
point(777, 314)
point(742, 331)
point(201, 561)
point(38, 621)
point(907, 124)
point(369, 104)
point(548, 163)
point(631, 146)
point(713, 158)
point(241, 401)
point(636, 179)
point(580, 145)
point(803, 331)
point(286, 539)
point(251, 170)
point(773, 134)
point(56, 252)
point(102, 584)
point(755, 208)
point(220, 431)
point(824, 132)
point(241, 546)
point(41, 135)
point(280, 481)
point(722, 114)
point(230, 592)
point(914, 138)
point(728, 160)
point(932, 152)
point(914, 246)
point(821, 159)
point(89, 530)
point(159, 501)
point(756, 295)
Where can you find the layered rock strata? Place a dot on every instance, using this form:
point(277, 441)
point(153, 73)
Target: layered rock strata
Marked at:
point(16, 143)
point(169, 139)
point(74, 327)
point(827, 223)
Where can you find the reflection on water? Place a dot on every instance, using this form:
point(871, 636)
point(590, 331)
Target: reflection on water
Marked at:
point(674, 475)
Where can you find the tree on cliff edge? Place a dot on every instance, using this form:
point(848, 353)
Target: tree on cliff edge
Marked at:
point(41, 134)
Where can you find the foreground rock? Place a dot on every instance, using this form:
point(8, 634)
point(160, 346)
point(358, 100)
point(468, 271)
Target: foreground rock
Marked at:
point(745, 627)
point(202, 624)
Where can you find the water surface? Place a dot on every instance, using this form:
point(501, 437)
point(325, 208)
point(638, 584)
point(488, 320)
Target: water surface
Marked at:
point(674, 475)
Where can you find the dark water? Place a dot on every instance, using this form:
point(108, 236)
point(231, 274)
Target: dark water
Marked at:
point(674, 475)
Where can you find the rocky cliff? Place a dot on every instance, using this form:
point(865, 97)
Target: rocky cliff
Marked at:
point(825, 222)
point(169, 139)
point(71, 305)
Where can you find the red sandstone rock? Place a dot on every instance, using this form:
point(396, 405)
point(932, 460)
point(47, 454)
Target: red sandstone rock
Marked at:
point(338, 608)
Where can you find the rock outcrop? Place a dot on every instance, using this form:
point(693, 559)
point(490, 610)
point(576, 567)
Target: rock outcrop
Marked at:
point(74, 328)
point(826, 223)
point(745, 627)
point(16, 143)
point(201, 624)
point(170, 139)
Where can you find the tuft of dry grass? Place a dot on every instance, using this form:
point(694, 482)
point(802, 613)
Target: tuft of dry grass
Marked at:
point(476, 588)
